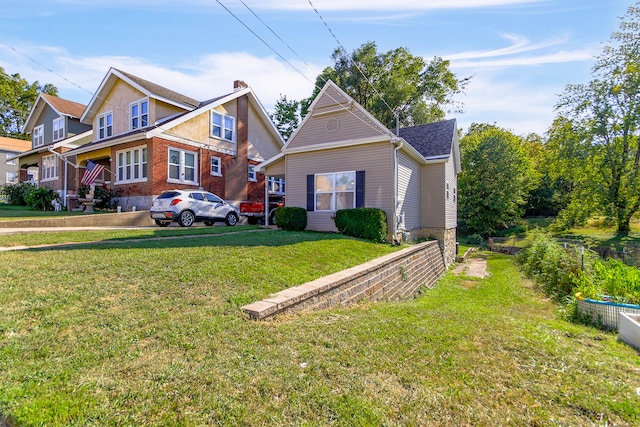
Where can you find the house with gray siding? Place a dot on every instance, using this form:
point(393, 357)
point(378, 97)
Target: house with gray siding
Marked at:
point(55, 128)
point(341, 157)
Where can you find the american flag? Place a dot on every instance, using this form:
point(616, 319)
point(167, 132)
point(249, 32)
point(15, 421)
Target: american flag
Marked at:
point(92, 172)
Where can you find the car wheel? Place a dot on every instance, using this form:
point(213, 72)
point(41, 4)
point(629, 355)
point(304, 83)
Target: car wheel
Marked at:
point(272, 218)
point(161, 223)
point(209, 223)
point(252, 220)
point(186, 219)
point(231, 219)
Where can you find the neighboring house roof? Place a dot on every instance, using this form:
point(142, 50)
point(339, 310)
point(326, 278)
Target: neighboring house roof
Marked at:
point(165, 124)
point(70, 142)
point(432, 140)
point(14, 145)
point(62, 107)
point(152, 90)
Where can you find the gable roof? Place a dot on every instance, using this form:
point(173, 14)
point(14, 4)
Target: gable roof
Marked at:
point(432, 140)
point(150, 89)
point(62, 107)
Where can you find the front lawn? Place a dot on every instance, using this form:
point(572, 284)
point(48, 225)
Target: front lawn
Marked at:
point(14, 212)
point(151, 333)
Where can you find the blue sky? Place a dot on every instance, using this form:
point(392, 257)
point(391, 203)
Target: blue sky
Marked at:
point(521, 53)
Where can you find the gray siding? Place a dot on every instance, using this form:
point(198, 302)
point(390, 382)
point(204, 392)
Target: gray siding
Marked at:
point(374, 159)
point(46, 118)
point(433, 196)
point(409, 189)
point(74, 127)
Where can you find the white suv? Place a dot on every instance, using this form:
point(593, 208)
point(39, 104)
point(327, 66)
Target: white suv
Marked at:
point(189, 206)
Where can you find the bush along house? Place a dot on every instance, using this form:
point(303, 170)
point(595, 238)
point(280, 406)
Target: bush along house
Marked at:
point(341, 157)
point(55, 128)
point(150, 139)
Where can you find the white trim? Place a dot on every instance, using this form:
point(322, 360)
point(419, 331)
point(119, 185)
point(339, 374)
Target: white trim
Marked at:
point(40, 130)
point(182, 166)
point(219, 173)
point(333, 191)
point(139, 103)
point(56, 167)
point(139, 166)
point(61, 130)
point(223, 127)
point(255, 174)
point(104, 115)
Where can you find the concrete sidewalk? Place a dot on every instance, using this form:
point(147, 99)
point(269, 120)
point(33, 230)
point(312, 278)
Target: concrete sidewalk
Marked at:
point(123, 219)
point(473, 267)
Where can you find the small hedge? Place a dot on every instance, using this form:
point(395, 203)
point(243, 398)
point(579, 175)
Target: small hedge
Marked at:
point(364, 223)
point(16, 193)
point(291, 218)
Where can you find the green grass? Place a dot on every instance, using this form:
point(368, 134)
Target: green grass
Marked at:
point(13, 212)
point(60, 237)
point(151, 333)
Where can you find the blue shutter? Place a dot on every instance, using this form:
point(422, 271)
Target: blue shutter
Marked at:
point(311, 193)
point(359, 189)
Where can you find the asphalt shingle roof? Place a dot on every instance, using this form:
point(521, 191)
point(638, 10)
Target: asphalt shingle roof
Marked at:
point(161, 91)
point(431, 139)
point(64, 106)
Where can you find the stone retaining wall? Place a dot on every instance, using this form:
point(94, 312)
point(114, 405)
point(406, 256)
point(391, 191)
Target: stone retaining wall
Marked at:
point(392, 277)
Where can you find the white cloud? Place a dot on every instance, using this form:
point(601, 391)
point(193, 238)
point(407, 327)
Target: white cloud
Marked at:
point(202, 78)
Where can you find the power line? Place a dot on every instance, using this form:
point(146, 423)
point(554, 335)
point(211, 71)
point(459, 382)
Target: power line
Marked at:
point(354, 62)
point(293, 66)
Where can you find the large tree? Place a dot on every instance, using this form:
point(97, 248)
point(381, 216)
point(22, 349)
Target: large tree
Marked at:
point(17, 96)
point(286, 116)
point(496, 176)
point(607, 111)
point(393, 84)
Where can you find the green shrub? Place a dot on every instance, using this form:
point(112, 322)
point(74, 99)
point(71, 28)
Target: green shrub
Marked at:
point(615, 279)
point(476, 240)
point(364, 223)
point(557, 269)
point(101, 192)
point(291, 218)
point(16, 193)
point(40, 199)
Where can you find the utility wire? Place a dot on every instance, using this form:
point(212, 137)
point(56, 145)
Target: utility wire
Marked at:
point(354, 62)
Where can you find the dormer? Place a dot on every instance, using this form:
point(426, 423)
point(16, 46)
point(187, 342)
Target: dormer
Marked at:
point(53, 119)
point(126, 103)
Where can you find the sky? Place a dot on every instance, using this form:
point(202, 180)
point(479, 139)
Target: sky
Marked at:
point(520, 53)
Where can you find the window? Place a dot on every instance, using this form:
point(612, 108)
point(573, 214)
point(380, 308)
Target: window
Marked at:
point(182, 166)
point(252, 173)
point(455, 195)
point(49, 168)
point(38, 136)
point(335, 191)
point(276, 185)
point(131, 165)
point(447, 191)
point(223, 126)
point(105, 125)
point(139, 114)
point(12, 178)
point(58, 128)
point(216, 166)
point(12, 162)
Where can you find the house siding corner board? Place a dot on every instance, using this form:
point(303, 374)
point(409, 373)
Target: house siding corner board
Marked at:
point(374, 159)
point(409, 189)
point(451, 205)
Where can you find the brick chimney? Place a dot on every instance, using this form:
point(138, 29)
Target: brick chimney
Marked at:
point(239, 84)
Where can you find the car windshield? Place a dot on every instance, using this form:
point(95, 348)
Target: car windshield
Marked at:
point(169, 195)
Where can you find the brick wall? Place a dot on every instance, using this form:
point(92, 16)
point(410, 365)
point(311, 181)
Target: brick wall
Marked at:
point(392, 277)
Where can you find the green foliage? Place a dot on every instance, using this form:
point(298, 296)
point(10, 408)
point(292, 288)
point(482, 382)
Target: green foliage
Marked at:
point(496, 176)
point(607, 112)
point(101, 192)
point(286, 116)
point(396, 81)
point(40, 199)
point(364, 223)
point(615, 279)
point(17, 97)
point(16, 193)
point(291, 218)
point(557, 269)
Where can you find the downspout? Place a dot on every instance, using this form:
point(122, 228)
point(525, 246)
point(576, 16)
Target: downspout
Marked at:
point(398, 143)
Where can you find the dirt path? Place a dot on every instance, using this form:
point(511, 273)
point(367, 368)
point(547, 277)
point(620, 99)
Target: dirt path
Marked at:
point(473, 267)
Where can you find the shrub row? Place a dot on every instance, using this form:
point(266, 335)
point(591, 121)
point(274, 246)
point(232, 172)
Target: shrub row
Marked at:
point(25, 194)
point(563, 272)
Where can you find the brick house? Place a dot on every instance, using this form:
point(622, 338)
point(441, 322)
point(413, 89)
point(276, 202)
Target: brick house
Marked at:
point(150, 139)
